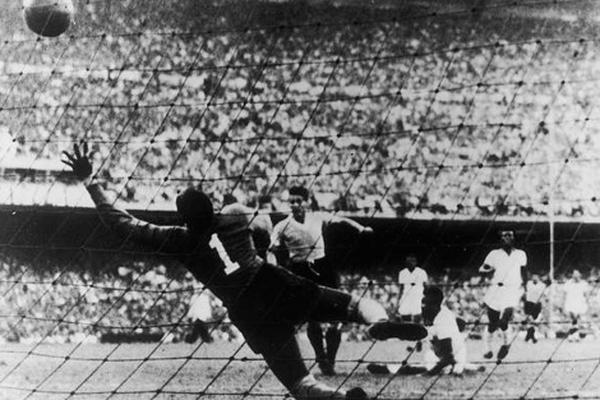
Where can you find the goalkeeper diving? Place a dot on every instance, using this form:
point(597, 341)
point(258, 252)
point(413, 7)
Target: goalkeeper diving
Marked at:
point(265, 302)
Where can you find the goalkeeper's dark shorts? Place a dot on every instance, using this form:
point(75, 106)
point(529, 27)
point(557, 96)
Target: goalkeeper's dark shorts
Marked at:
point(275, 301)
point(321, 271)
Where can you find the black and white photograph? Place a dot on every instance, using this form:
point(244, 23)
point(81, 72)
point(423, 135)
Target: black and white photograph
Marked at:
point(299, 199)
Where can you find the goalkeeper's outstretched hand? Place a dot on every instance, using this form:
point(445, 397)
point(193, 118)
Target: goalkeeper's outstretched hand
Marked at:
point(79, 161)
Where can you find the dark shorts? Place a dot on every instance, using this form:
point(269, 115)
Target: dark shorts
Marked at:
point(496, 319)
point(532, 309)
point(275, 302)
point(321, 272)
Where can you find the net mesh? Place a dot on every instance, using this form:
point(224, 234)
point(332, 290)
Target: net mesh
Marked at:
point(472, 111)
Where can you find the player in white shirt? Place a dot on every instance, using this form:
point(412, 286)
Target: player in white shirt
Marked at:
point(412, 280)
point(535, 290)
point(301, 234)
point(446, 351)
point(576, 305)
point(199, 313)
point(507, 265)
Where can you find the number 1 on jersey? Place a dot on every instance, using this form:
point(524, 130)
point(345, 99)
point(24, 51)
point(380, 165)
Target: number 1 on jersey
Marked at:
point(216, 244)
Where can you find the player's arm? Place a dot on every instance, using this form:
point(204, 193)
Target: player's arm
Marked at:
point(401, 289)
point(445, 354)
point(262, 232)
point(275, 240)
point(487, 267)
point(524, 274)
point(400, 293)
point(277, 246)
point(336, 219)
point(162, 238)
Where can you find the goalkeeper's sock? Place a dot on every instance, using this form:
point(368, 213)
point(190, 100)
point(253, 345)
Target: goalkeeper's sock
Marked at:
point(365, 311)
point(315, 336)
point(333, 337)
point(403, 331)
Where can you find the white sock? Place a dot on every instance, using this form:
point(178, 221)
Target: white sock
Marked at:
point(368, 311)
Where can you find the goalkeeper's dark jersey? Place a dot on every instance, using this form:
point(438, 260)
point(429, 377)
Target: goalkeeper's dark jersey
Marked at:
point(226, 261)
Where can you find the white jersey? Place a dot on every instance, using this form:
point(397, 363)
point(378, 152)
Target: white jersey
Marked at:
point(575, 301)
point(535, 291)
point(413, 284)
point(505, 286)
point(304, 241)
point(445, 327)
point(200, 307)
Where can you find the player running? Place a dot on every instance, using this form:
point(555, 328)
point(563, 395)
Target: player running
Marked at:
point(446, 351)
point(507, 265)
point(302, 235)
point(265, 302)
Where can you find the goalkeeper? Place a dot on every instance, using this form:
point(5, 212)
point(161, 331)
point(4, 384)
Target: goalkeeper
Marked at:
point(265, 302)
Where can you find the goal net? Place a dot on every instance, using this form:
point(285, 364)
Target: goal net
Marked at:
point(434, 122)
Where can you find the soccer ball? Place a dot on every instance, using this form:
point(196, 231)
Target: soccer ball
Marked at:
point(48, 17)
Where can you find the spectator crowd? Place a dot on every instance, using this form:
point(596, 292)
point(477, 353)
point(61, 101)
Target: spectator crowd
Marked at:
point(445, 115)
point(142, 301)
point(132, 301)
point(442, 115)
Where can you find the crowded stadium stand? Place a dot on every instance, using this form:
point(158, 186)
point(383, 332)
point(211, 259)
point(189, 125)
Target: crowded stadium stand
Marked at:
point(435, 124)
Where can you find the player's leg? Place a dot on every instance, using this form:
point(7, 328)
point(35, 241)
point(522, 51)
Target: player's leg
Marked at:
point(314, 331)
point(192, 336)
point(199, 330)
point(335, 305)
point(573, 333)
point(418, 319)
point(299, 300)
point(414, 319)
point(460, 357)
point(333, 338)
point(286, 363)
point(233, 333)
point(329, 277)
point(493, 325)
point(536, 310)
point(205, 332)
point(505, 328)
point(528, 310)
point(429, 358)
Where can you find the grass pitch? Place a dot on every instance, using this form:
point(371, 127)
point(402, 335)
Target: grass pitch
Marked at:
point(551, 368)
